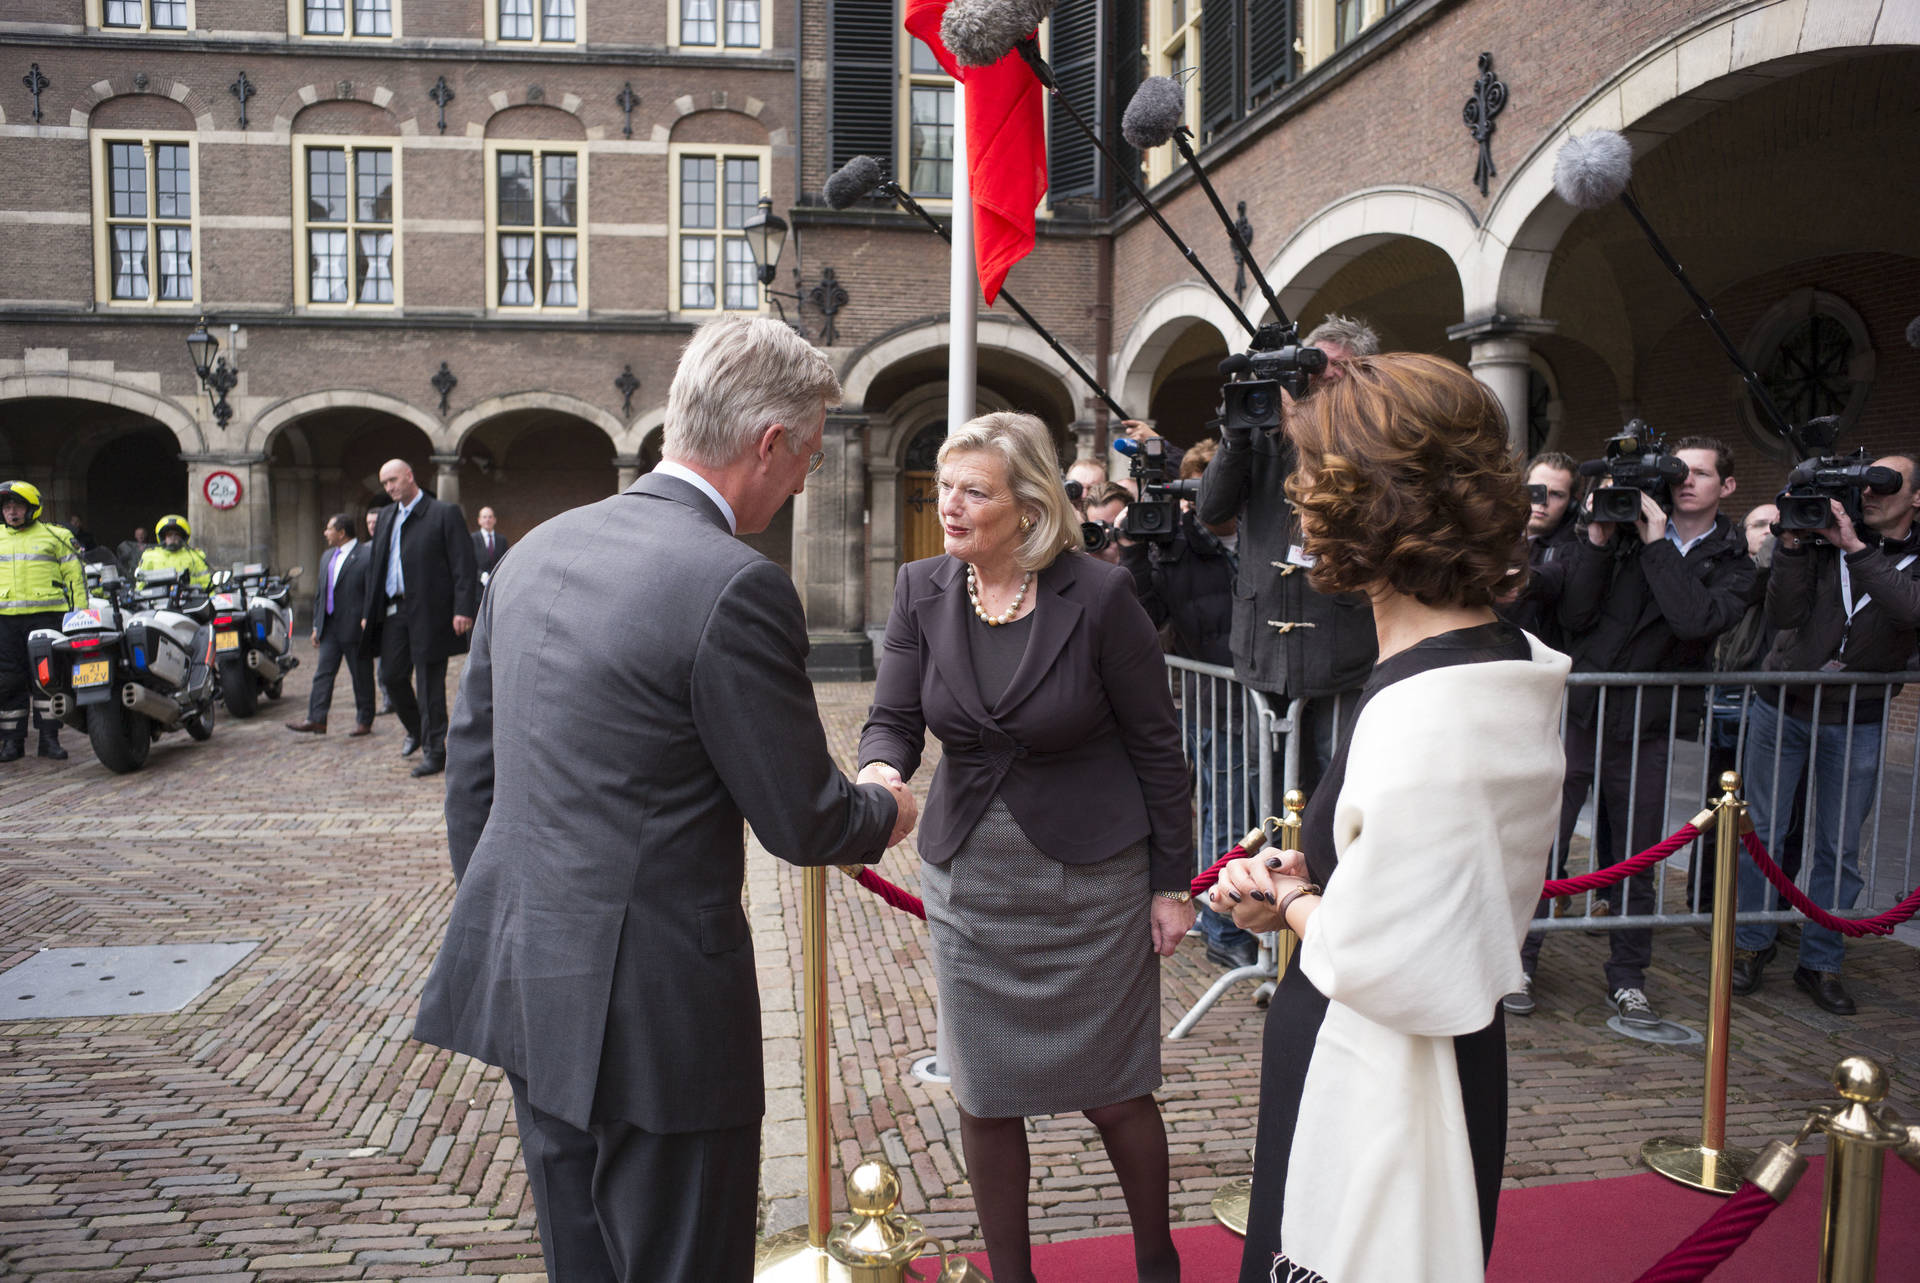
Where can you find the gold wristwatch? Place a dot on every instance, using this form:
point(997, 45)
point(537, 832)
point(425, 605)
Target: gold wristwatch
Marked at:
point(1178, 897)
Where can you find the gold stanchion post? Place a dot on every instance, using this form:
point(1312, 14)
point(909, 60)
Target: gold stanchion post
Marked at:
point(800, 1255)
point(1858, 1138)
point(1711, 1165)
point(1233, 1201)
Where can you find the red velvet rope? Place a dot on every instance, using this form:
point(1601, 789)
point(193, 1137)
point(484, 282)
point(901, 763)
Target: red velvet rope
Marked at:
point(893, 895)
point(1622, 871)
point(1702, 1251)
point(1856, 927)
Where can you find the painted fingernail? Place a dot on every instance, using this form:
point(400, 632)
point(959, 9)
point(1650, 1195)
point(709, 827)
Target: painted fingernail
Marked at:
point(1273, 862)
point(1235, 895)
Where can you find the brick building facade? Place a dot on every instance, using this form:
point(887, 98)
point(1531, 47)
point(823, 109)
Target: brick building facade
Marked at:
point(541, 196)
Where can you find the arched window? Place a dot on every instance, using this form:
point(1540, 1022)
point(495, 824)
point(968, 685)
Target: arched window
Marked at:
point(1815, 357)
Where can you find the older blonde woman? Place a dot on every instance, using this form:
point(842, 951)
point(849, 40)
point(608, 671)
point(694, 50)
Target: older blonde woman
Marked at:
point(1057, 837)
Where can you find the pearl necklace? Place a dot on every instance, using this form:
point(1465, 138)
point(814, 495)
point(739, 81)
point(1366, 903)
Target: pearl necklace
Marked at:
point(1005, 616)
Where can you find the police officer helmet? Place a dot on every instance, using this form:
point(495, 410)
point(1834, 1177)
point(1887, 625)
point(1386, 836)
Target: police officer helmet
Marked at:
point(26, 492)
point(172, 521)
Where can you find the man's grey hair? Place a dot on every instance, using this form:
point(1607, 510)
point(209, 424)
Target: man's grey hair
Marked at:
point(1355, 337)
point(738, 376)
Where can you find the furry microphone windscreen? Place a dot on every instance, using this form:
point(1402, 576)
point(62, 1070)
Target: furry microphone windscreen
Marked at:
point(1155, 112)
point(1913, 332)
point(853, 180)
point(979, 33)
point(1592, 169)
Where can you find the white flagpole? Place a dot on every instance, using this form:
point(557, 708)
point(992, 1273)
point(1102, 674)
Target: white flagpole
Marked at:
point(963, 284)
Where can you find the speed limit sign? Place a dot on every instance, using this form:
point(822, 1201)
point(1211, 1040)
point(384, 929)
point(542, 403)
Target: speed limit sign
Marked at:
point(222, 490)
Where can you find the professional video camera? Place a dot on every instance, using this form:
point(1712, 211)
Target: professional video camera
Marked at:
point(1274, 360)
point(1155, 516)
point(1814, 484)
point(1637, 462)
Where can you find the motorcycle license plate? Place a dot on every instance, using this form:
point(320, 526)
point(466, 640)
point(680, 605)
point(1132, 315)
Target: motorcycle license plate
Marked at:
point(226, 641)
point(91, 672)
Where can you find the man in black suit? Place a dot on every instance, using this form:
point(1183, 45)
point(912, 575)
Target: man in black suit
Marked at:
point(637, 686)
point(337, 599)
point(489, 545)
point(422, 594)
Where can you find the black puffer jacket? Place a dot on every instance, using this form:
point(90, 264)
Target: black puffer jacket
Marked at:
point(1633, 608)
point(1287, 639)
point(1805, 604)
point(1187, 583)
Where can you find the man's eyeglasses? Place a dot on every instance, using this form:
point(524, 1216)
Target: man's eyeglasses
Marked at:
point(814, 461)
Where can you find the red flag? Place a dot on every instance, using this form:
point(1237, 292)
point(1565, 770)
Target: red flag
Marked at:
point(1006, 149)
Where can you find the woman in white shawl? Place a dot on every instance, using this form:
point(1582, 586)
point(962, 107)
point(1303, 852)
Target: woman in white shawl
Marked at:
point(1383, 1085)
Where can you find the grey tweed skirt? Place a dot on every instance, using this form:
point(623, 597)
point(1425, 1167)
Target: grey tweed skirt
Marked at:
point(1049, 985)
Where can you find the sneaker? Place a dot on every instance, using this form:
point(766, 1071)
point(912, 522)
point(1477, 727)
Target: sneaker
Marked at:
point(1520, 1001)
point(1634, 1008)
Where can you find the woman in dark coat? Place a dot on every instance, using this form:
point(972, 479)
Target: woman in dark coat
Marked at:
point(1057, 838)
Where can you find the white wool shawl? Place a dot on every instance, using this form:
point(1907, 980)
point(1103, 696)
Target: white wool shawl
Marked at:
point(1442, 828)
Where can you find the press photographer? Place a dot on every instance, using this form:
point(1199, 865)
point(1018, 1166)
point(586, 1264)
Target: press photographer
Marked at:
point(1648, 595)
point(1846, 598)
point(1287, 639)
point(1186, 584)
point(1551, 530)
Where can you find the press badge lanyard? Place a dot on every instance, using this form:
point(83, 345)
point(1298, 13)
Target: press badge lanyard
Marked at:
point(1853, 607)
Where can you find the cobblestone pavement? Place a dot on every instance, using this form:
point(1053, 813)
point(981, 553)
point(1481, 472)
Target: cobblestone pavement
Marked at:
point(283, 1127)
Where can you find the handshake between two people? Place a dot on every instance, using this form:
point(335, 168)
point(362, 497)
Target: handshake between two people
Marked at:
point(907, 810)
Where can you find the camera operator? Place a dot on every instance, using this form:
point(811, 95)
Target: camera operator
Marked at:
point(1288, 639)
point(1647, 598)
point(1846, 602)
point(1089, 475)
point(1551, 531)
point(1105, 506)
point(1186, 585)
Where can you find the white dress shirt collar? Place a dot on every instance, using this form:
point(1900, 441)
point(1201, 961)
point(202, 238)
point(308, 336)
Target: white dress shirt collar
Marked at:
point(669, 468)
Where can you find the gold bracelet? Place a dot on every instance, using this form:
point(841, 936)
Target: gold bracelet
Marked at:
point(1287, 899)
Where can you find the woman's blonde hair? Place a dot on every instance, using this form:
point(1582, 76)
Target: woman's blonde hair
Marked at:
point(1026, 447)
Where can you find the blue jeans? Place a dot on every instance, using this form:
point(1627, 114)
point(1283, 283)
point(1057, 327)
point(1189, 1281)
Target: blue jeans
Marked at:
point(1843, 785)
point(1227, 798)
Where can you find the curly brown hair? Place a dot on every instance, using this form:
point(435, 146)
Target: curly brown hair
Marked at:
point(1404, 480)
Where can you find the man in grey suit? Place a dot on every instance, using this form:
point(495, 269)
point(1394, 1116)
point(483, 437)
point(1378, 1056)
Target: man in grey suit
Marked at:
point(646, 673)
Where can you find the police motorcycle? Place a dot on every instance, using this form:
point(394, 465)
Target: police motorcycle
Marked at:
point(132, 664)
point(252, 634)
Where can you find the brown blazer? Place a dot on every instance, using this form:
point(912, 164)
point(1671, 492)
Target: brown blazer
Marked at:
point(1084, 747)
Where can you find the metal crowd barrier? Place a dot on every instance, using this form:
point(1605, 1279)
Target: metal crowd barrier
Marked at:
point(1244, 757)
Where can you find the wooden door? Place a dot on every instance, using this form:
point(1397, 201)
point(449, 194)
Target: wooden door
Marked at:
point(921, 535)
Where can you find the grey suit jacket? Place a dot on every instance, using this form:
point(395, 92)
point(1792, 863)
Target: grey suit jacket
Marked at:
point(637, 685)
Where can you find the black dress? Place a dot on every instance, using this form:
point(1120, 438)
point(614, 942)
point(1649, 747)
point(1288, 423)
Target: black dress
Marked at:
point(1293, 1018)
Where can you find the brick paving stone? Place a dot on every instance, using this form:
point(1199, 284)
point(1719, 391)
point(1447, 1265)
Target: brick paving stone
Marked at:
point(283, 1127)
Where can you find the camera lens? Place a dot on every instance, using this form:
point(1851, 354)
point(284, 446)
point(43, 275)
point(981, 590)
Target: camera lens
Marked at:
point(1259, 404)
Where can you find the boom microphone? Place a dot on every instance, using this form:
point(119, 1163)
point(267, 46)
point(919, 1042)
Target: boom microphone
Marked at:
point(863, 174)
point(1592, 169)
point(979, 33)
point(853, 180)
point(1155, 112)
point(1595, 168)
point(1153, 117)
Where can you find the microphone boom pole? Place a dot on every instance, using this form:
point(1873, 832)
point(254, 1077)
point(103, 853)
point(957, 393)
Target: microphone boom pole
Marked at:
point(1030, 51)
point(1181, 140)
point(898, 193)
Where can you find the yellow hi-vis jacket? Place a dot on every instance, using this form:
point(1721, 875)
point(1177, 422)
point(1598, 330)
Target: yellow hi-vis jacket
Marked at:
point(40, 570)
point(188, 558)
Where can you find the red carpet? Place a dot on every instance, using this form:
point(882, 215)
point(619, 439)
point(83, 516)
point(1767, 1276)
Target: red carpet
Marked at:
point(1606, 1231)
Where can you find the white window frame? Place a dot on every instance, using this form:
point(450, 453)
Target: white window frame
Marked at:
point(99, 143)
point(302, 224)
point(297, 24)
point(540, 149)
point(719, 46)
point(491, 9)
point(721, 153)
point(1167, 41)
point(909, 80)
point(96, 19)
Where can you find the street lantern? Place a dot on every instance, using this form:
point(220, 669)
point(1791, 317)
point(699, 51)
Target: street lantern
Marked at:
point(766, 237)
point(201, 346)
point(215, 373)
